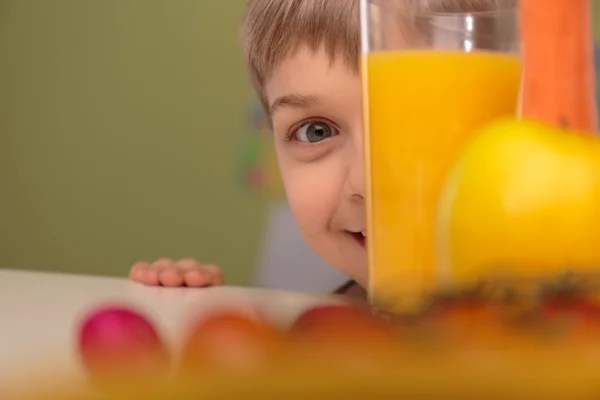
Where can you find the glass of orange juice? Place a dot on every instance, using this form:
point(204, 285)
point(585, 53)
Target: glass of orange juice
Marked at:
point(429, 80)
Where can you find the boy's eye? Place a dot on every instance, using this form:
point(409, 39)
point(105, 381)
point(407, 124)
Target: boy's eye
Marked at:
point(315, 131)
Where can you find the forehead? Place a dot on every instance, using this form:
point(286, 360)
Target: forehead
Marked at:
point(312, 73)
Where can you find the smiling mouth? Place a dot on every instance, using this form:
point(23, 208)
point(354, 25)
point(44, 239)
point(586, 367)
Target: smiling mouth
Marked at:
point(360, 237)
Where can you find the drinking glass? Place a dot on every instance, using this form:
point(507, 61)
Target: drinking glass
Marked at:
point(430, 79)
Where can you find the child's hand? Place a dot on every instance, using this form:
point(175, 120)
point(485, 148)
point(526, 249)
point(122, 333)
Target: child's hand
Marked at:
point(185, 272)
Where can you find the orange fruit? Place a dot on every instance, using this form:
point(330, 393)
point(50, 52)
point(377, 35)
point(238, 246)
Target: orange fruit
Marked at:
point(231, 341)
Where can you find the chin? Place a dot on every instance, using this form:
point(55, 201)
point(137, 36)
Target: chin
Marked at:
point(362, 281)
point(358, 275)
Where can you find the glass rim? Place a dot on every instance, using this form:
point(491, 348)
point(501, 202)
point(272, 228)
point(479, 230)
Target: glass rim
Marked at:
point(506, 10)
point(474, 14)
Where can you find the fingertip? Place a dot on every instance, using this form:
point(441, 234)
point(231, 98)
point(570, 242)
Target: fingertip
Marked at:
point(150, 277)
point(215, 273)
point(170, 277)
point(137, 270)
point(188, 263)
point(196, 278)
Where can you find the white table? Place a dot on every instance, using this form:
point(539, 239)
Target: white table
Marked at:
point(40, 312)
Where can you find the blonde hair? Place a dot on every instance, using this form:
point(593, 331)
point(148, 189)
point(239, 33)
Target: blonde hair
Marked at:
point(273, 29)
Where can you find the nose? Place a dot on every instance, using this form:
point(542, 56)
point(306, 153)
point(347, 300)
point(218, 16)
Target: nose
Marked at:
point(355, 181)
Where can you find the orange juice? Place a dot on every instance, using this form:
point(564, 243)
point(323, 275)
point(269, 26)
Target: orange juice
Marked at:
point(420, 109)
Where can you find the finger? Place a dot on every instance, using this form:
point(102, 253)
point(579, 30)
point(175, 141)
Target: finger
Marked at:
point(188, 263)
point(137, 271)
point(215, 274)
point(163, 263)
point(197, 278)
point(165, 273)
point(150, 276)
point(171, 277)
point(198, 275)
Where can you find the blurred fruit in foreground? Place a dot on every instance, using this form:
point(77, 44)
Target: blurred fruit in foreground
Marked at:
point(523, 200)
point(118, 344)
point(335, 322)
point(230, 341)
point(471, 323)
point(345, 335)
point(570, 320)
point(466, 344)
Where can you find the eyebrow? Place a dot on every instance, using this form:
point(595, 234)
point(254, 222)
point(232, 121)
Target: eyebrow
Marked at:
point(294, 100)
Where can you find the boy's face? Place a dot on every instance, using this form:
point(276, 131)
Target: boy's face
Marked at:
point(318, 130)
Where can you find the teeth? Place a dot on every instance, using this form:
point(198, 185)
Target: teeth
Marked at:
point(364, 234)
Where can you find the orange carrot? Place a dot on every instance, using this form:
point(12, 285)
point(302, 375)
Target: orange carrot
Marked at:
point(558, 56)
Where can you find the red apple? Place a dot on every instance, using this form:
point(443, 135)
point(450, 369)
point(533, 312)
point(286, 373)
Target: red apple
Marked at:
point(118, 344)
point(571, 319)
point(331, 316)
point(342, 335)
point(472, 323)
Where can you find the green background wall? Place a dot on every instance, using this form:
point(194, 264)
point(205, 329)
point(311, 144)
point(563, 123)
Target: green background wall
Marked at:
point(596, 19)
point(120, 122)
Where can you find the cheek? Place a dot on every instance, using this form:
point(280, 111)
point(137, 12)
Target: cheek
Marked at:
point(311, 194)
point(309, 199)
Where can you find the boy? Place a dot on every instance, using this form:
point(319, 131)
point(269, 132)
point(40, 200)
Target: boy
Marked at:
point(303, 58)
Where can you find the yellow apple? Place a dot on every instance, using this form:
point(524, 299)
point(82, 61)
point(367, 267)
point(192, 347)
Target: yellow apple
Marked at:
point(524, 200)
